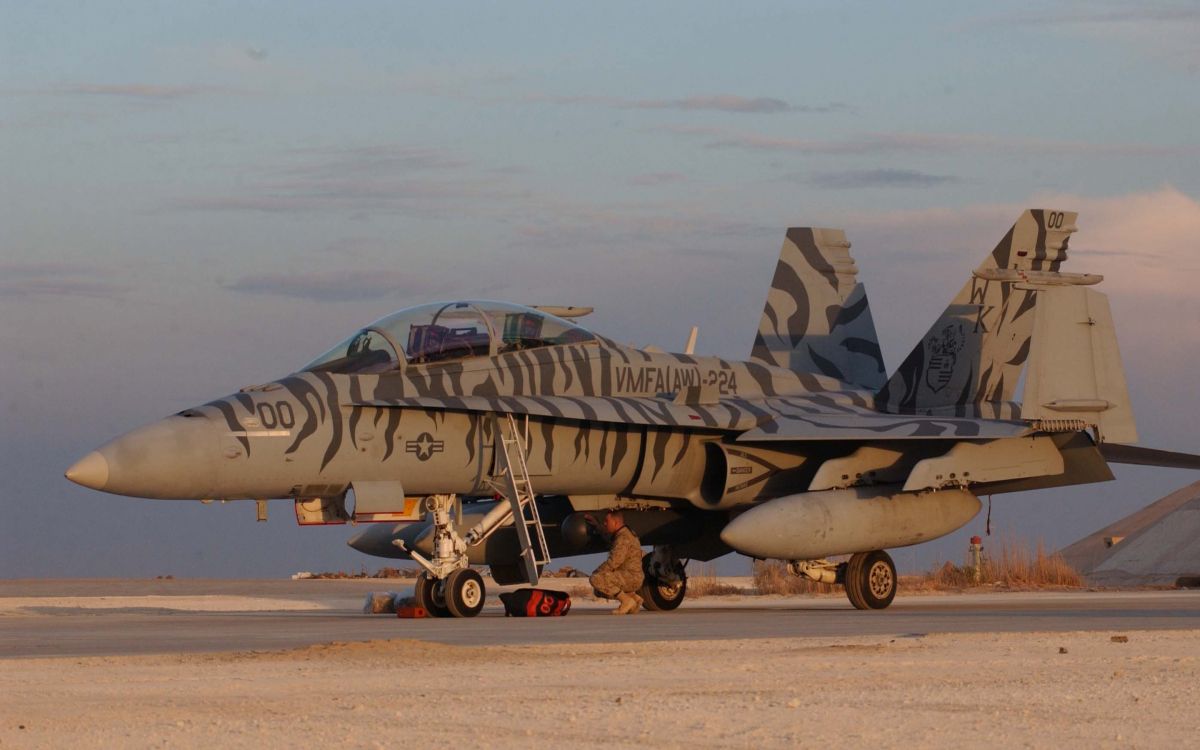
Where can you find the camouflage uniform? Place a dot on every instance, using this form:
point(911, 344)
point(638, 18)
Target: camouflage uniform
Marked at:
point(622, 571)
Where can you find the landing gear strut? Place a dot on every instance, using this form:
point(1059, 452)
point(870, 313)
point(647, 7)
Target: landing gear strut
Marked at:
point(665, 583)
point(870, 580)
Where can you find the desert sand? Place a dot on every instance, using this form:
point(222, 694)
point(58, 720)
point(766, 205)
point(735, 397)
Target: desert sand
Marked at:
point(943, 691)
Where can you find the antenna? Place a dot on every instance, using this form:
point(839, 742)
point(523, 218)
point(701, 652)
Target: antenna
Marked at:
point(691, 344)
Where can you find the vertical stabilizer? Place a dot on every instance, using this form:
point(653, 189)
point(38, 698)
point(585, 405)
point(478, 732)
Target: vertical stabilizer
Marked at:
point(969, 363)
point(817, 317)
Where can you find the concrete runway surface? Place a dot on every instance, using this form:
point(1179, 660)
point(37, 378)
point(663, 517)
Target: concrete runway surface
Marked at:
point(102, 617)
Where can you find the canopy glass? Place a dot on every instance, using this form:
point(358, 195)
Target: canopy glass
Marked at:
point(445, 331)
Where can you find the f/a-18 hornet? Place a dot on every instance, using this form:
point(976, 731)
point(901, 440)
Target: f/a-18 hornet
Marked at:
point(480, 433)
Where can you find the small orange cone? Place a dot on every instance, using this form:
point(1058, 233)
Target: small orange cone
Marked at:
point(411, 612)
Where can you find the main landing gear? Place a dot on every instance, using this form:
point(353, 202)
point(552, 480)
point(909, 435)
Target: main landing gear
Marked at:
point(665, 583)
point(870, 580)
point(869, 577)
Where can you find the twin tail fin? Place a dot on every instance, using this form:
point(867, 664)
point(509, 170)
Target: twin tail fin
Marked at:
point(817, 318)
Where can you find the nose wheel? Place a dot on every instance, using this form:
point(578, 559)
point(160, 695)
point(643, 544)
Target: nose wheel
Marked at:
point(464, 593)
point(430, 595)
point(871, 580)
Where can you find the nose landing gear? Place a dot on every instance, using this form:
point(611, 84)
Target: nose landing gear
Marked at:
point(448, 587)
point(460, 594)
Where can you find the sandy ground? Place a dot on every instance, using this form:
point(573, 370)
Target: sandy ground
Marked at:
point(1011, 690)
point(16, 605)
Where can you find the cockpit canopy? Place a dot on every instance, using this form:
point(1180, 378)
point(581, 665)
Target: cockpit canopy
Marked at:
point(444, 331)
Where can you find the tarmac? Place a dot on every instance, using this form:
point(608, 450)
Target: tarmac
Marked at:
point(125, 617)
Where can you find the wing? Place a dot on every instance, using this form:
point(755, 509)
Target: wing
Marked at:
point(1132, 454)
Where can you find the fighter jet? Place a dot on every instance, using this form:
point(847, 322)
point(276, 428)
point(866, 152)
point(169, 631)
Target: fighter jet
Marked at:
point(476, 433)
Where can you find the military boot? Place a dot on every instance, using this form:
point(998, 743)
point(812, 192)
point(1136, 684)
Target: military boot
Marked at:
point(628, 606)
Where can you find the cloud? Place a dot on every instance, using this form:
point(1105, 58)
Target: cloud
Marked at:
point(384, 195)
point(886, 143)
point(630, 230)
point(651, 179)
point(51, 278)
point(762, 105)
point(1145, 243)
point(718, 102)
point(382, 178)
point(878, 178)
point(336, 286)
point(1134, 13)
point(338, 162)
point(1162, 31)
point(734, 103)
point(1151, 241)
point(138, 91)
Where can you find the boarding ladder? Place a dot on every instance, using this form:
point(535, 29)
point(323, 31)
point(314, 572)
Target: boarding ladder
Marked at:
point(514, 484)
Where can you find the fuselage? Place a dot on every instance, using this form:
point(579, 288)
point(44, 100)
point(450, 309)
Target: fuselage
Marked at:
point(428, 427)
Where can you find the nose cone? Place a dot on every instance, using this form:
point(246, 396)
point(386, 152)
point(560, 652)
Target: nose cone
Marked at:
point(174, 458)
point(91, 471)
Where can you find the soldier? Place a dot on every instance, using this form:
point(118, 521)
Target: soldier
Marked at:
point(620, 576)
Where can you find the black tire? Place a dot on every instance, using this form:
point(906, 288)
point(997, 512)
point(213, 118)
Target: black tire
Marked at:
point(464, 593)
point(871, 580)
point(851, 580)
point(428, 593)
point(658, 596)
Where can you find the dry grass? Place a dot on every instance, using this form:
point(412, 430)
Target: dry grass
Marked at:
point(1008, 562)
point(403, 573)
point(706, 582)
point(565, 571)
point(772, 577)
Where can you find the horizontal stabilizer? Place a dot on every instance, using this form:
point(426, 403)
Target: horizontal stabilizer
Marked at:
point(1075, 367)
point(1132, 454)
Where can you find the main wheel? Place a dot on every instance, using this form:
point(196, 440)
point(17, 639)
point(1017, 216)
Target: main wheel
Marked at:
point(871, 580)
point(464, 593)
point(658, 595)
point(428, 592)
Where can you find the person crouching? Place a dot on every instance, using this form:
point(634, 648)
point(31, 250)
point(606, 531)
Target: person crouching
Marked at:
point(620, 576)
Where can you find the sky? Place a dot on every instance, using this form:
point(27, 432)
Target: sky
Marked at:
point(199, 197)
